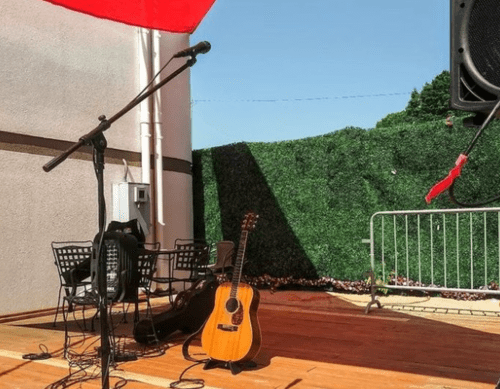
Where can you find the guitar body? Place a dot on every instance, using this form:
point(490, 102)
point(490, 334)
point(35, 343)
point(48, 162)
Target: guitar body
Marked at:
point(232, 332)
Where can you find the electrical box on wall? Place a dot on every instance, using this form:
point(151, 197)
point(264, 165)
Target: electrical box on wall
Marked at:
point(132, 200)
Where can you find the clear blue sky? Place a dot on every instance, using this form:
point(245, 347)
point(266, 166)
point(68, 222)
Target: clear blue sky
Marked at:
point(288, 69)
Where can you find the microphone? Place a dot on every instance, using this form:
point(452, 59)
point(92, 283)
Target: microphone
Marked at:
point(200, 48)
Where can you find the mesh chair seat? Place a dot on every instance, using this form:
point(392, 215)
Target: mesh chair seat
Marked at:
point(87, 298)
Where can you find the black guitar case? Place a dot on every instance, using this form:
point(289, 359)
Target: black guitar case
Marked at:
point(189, 311)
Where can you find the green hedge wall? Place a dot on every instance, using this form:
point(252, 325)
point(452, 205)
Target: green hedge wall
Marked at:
point(315, 196)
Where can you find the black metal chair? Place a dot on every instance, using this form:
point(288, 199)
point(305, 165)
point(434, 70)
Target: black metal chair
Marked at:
point(146, 267)
point(73, 265)
point(188, 262)
point(136, 266)
point(73, 261)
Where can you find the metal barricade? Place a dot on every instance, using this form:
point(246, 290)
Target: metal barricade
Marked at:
point(446, 250)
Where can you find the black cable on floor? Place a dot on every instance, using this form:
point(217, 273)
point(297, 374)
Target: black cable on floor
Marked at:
point(194, 381)
point(43, 355)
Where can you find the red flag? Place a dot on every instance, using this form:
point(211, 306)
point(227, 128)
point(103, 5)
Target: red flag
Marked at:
point(445, 183)
point(182, 16)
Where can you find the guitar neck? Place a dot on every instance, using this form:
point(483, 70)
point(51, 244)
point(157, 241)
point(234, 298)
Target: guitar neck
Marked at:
point(238, 266)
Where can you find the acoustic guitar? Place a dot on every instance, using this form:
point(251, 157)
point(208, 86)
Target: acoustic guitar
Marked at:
point(232, 332)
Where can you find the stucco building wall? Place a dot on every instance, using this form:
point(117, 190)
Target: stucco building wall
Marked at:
point(60, 70)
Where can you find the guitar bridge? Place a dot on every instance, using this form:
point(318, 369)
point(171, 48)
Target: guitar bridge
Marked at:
point(227, 327)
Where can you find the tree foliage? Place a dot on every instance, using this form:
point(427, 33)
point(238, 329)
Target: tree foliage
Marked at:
point(431, 103)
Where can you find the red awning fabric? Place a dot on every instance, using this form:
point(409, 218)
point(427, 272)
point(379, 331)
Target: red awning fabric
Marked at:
point(181, 16)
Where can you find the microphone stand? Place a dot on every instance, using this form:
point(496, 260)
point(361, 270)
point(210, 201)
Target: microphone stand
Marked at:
point(96, 139)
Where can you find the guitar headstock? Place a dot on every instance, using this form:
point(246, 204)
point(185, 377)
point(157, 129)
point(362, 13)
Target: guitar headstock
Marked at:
point(249, 221)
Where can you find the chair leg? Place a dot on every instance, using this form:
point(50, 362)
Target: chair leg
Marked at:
point(125, 311)
point(153, 331)
point(136, 313)
point(58, 304)
point(66, 337)
point(170, 291)
point(92, 325)
point(149, 315)
point(84, 320)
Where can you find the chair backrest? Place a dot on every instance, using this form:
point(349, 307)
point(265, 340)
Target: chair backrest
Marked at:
point(146, 264)
point(191, 255)
point(73, 261)
point(225, 254)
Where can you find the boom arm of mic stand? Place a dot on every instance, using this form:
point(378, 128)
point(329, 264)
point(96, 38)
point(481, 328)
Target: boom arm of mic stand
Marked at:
point(105, 124)
point(84, 140)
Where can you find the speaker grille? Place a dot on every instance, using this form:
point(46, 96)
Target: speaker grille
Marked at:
point(484, 39)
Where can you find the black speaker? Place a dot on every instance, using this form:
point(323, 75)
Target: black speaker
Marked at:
point(475, 54)
point(121, 255)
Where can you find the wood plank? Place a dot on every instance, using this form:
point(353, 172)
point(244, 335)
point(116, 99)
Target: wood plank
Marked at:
point(309, 340)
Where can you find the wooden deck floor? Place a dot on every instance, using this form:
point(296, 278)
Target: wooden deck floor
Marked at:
point(310, 340)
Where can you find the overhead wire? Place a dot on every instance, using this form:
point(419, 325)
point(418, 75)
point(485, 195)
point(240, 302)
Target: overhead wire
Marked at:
point(195, 101)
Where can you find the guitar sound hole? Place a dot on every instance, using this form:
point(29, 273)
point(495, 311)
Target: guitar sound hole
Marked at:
point(232, 305)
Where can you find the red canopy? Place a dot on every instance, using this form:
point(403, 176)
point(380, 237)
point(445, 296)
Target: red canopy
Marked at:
point(182, 16)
